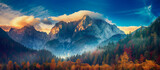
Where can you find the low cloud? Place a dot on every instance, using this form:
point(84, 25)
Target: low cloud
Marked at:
point(77, 16)
point(22, 21)
point(128, 29)
point(45, 28)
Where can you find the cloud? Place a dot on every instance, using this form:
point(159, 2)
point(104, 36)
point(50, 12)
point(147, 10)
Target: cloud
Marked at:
point(109, 21)
point(10, 18)
point(7, 14)
point(77, 16)
point(128, 29)
point(46, 21)
point(38, 11)
point(45, 28)
point(146, 11)
point(22, 21)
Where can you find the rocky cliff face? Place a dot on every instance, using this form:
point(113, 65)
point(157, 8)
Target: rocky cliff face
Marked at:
point(78, 36)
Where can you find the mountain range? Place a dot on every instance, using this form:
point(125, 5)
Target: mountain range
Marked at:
point(79, 36)
point(67, 38)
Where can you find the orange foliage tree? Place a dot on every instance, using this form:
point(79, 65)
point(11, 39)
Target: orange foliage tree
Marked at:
point(53, 64)
point(10, 65)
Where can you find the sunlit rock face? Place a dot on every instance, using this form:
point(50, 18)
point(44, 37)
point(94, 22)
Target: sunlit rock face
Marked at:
point(29, 37)
point(79, 36)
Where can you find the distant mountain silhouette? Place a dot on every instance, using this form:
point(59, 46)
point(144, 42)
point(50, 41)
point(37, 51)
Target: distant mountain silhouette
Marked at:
point(29, 37)
point(114, 39)
point(11, 50)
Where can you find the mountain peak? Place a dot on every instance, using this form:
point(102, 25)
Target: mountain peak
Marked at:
point(23, 28)
point(85, 17)
point(87, 31)
point(3, 33)
point(28, 27)
point(154, 27)
point(156, 21)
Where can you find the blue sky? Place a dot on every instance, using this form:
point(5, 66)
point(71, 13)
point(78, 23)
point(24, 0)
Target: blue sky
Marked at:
point(121, 12)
